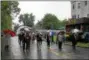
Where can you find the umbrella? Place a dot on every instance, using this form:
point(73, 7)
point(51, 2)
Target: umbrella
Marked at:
point(12, 33)
point(75, 30)
point(23, 28)
point(7, 31)
point(26, 29)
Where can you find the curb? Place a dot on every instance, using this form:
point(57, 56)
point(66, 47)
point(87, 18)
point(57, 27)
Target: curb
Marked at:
point(76, 46)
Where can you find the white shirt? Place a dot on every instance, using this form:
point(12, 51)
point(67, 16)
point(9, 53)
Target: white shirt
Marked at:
point(60, 38)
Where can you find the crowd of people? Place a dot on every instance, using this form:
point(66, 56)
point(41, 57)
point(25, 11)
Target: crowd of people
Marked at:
point(26, 37)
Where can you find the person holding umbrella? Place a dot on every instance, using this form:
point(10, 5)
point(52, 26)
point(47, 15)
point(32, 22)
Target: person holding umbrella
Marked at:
point(20, 38)
point(26, 40)
point(60, 39)
point(48, 40)
point(7, 38)
point(74, 37)
point(7, 34)
point(39, 40)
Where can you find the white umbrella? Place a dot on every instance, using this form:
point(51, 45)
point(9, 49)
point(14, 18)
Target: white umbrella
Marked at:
point(75, 30)
point(26, 28)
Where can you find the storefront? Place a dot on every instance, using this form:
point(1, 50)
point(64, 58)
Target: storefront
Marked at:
point(81, 24)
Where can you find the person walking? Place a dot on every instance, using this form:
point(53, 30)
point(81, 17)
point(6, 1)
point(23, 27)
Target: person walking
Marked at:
point(20, 38)
point(24, 40)
point(74, 38)
point(60, 39)
point(27, 39)
point(48, 40)
point(7, 40)
point(57, 38)
point(39, 40)
point(33, 37)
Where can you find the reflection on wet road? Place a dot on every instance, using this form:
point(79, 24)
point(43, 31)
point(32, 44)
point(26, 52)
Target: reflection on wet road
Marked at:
point(16, 51)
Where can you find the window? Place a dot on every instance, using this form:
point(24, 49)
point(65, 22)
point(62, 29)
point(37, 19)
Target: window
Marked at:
point(87, 15)
point(74, 16)
point(73, 6)
point(78, 16)
point(73, 1)
point(85, 2)
point(78, 5)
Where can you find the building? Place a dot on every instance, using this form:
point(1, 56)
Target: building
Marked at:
point(79, 9)
point(80, 16)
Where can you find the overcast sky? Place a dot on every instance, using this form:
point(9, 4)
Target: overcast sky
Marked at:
point(62, 9)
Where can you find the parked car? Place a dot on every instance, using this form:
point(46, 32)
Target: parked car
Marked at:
point(85, 36)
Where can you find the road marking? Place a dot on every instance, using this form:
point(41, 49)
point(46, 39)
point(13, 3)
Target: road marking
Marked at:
point(59, 53)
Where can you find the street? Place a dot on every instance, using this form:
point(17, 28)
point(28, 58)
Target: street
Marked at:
point(16, 51)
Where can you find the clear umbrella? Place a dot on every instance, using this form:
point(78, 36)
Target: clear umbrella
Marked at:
point(26, 28)
point(75, 31)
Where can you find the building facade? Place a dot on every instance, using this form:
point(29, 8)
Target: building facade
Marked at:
point(80, 16)
point(79, 9)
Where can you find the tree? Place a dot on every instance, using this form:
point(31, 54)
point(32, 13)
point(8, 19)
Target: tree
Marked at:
point(9, 9)
point(16, 27)
point(27, 19)
point(63, 23)
point(50, 21)
point(32, 19)
point(39, 25)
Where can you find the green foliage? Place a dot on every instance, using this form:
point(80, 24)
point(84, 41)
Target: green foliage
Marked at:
point(80, 44)
point(50, 21)
point(39, 25)
point(63, 23)
point(8, 8)
point(27, 19)
point(16, 27)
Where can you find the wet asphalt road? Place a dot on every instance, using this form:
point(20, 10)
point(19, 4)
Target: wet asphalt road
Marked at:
point(16, 51)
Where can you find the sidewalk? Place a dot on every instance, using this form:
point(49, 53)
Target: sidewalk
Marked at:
point(79, 44)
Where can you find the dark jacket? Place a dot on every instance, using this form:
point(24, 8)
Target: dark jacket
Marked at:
point(39, 38)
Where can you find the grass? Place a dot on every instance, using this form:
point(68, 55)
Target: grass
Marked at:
point(55, 38)
point(86, 45)
point(80, 44)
